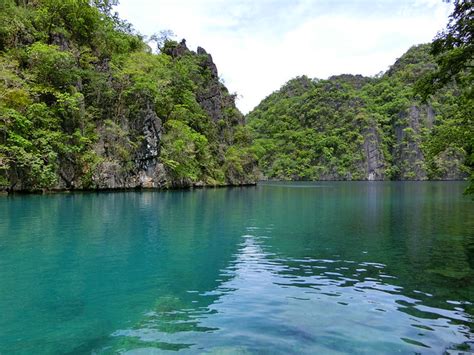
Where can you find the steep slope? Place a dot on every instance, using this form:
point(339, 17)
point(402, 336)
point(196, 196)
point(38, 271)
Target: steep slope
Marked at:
point(351, 127)
point(84, 104)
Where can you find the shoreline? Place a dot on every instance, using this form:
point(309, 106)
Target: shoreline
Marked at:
point(193, 187)
point(120, 189)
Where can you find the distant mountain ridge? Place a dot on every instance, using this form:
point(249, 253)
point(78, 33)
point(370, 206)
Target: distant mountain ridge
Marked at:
point(351, 127)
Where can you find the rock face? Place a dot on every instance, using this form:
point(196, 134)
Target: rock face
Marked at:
point(157, 121)
point(129, 146)
point(146, 171)
point(210, 98)
point(374, 160)
point(213, 97)
point(351, 127)
point(408, 157)
point(449, 165)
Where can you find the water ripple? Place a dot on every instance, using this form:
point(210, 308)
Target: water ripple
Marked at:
point(314, 301)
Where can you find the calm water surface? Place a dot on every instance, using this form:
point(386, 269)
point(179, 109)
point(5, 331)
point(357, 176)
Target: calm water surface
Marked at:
point(278, 268)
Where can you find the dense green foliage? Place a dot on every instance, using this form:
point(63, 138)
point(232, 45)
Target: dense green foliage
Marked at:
point(84, 103)
point(412, 122)
point(78, 87)
point(453, 51)
point(353, 127)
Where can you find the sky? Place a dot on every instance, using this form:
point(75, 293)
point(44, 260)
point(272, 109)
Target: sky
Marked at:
point(258, 45)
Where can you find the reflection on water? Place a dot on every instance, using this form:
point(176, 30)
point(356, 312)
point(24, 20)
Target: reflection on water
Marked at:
point(301, 305)
point(280, 268)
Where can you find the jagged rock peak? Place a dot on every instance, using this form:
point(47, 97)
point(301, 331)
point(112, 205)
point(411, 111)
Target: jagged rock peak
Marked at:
point(209, 63)
point(201, 51)
point(176, 50)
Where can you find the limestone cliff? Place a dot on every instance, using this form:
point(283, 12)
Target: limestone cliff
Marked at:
point(141, 121)
point(351, 127)
point(146, 168)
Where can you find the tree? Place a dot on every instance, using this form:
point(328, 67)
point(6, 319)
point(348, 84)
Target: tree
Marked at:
point(161, 38)
point(105, 6)
point(453, 49)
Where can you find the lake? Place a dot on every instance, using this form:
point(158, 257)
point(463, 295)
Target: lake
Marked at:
point(324, 267)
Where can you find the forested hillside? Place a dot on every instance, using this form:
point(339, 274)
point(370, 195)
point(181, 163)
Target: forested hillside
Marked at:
point(85, 104)
point(353, 127)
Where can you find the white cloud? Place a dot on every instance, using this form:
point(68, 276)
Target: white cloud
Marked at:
point(259, 45)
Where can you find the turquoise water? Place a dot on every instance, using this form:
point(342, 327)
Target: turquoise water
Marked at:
point(337, 267)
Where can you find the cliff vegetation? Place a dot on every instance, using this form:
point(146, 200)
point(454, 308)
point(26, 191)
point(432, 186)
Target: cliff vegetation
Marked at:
point(85, 104)
point(351, 127)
